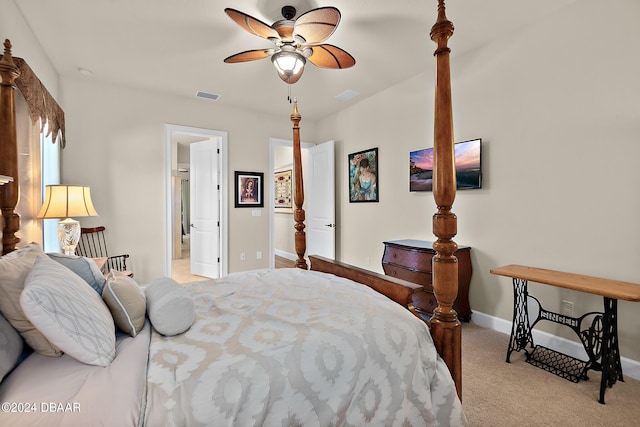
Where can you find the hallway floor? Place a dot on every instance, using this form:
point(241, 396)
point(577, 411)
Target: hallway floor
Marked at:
point(181, 267)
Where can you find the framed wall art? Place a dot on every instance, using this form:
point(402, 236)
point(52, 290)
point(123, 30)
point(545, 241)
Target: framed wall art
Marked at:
point(249, 189)
point(467, 163)
point(283, 191)
point(363, 176)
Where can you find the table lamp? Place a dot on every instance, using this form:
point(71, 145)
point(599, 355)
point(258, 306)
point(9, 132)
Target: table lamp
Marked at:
point(63, 202)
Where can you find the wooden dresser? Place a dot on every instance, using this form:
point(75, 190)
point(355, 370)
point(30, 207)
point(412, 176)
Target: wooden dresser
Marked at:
point(411, 260)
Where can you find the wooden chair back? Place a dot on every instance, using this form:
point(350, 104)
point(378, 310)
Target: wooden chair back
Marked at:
point(93, 244)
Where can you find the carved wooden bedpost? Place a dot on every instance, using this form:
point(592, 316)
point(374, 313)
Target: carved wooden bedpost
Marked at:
point(298, 214)
point(445, 325)
point(9, 192)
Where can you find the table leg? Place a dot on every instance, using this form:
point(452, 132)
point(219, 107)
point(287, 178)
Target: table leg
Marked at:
point(611, 366)
point(520, 327)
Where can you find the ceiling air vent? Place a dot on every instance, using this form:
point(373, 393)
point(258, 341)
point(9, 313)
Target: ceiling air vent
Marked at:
point(347, 95)
point(205, 95)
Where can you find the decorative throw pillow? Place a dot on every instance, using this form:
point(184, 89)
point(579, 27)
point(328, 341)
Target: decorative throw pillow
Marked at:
point(170, 308)
point(14, 268)
point(69, 313)
point(126, 301)
point(10, 347)
point(83, 267)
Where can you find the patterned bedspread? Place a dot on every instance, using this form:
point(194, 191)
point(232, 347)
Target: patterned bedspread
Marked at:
point(298, 348)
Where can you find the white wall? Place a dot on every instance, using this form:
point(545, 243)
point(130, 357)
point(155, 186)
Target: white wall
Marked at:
point(557, 108)
point(25, 45)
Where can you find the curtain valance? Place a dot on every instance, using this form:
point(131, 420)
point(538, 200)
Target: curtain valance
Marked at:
point(41, 104)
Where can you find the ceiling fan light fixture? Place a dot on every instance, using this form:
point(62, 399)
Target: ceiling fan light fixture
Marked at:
point(295, 41)
point(290, 64)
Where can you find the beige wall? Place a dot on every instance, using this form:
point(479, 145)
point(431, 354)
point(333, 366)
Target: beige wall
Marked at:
point(116, 144)
point(557, 108)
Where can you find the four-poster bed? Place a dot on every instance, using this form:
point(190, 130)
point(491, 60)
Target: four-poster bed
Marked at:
point(362, 332)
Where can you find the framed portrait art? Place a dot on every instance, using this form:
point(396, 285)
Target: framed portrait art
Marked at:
point(249, 189)
point(363, 176)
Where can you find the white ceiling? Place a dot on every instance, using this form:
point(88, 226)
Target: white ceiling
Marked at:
point(178, 46)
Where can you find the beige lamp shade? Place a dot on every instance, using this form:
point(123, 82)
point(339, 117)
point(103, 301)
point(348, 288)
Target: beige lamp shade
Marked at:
point(64, 201)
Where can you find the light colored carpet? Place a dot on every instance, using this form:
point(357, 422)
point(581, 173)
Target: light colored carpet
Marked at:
point(496, 393)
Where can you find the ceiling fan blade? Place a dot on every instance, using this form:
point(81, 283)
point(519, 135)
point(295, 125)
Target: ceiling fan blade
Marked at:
point(316, 25)
point(330, 56)
point(252, 25)
point(249, 55)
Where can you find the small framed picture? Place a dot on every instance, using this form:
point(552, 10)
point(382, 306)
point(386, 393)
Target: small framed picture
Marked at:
point(363, 176)
point(249, 189)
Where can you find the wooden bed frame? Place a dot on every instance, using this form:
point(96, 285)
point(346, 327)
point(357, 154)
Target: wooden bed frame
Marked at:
point(445, 327)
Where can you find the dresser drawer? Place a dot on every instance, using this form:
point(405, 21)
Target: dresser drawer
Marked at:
point(420, 277)
point(426, 301)
point(419, 260)
point(411, 260)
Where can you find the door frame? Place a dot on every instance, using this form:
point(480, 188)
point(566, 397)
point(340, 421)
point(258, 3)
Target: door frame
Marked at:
point(273, 142)
point(171, 153)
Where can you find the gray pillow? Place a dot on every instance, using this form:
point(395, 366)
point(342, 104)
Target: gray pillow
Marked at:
point(83, 267)
point(169, 307)
point(10, 347)
point(126, 302)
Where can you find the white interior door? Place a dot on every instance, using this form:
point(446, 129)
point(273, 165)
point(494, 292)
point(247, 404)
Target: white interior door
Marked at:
point(320, 199)
point(205, 208)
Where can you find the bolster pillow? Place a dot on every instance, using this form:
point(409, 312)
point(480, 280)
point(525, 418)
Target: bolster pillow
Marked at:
point(169, 307)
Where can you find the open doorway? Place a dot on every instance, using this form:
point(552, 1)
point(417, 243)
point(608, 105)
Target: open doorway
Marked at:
point(180, 197)
point(318, 166)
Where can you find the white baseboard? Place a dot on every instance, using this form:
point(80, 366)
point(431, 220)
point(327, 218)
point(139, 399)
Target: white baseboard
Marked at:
point(630, 367)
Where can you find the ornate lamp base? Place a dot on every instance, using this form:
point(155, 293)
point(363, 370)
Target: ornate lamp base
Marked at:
point(68, 235)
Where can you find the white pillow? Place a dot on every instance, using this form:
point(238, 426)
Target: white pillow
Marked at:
point(14, 268)
point(170, 308)
point(126, 302)
point(69, 313)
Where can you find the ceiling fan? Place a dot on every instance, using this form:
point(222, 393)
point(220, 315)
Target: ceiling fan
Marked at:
point(295, 40)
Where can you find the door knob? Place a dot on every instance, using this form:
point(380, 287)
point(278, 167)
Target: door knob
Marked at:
point(330, 225)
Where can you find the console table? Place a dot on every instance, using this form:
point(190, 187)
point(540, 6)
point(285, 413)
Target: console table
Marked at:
point(599, 338)
point(411, 260)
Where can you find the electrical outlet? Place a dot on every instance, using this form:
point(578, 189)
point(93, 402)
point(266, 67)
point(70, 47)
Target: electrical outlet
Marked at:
point(566, 308)
point(243, 256)
point(259, 255)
